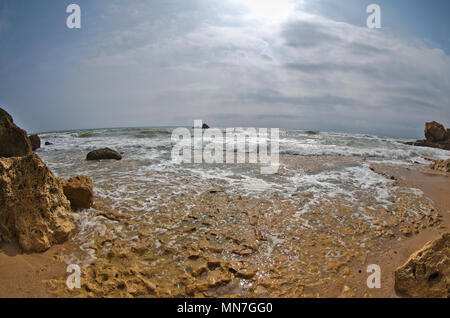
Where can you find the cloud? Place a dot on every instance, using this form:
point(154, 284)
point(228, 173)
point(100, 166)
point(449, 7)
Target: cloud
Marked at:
point(308, 65)
point(174, 61)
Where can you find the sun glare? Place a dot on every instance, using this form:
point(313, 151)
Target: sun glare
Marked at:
point(268, 9)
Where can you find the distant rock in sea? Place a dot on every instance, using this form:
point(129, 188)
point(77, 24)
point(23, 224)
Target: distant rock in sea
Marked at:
point(436, 137)
point(14, 141)
point(205, 126)
point(35, 142)
point(105, 153)
point(48, 143)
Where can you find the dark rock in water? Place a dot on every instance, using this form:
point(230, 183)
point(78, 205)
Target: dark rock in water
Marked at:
point(48, 143)
point(104, 153)
point(35, 142)
point(435, 131)
point(14, 141)
point(205, 126)
point(423, 143)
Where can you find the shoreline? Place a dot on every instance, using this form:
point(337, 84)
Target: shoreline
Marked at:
point(27, 275)
point(436, 186)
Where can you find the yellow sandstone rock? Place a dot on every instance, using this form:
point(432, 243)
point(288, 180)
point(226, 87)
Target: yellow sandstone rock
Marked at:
point(79, 191)
point(33, 208)
point(427, 271)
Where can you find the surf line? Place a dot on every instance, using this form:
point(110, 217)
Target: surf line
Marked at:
point(237, 145)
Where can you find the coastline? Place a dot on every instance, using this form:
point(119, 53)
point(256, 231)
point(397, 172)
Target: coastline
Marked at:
point(43, 275)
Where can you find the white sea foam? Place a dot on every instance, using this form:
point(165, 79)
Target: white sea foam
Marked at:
point(146, 161)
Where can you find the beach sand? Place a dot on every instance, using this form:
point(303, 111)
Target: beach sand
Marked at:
point(22, 275)
point(233, 246)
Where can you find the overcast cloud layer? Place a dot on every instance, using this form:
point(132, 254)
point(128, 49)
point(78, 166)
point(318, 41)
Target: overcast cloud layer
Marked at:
point(159, 63)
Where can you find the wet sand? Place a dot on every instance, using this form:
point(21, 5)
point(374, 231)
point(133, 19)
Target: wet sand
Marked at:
point(23, 275)
point(436, 186)
point(213, 258)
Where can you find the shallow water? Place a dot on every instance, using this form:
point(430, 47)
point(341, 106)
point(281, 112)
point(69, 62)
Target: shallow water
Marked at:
point(324, 192)
point(147, 153)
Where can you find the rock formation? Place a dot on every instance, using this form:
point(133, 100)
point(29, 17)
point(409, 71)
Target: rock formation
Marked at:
point(35, 142)
point(436, 137)
point(79, 191)
point(435, 132)
point(104, 153)
point(427, 271)
point(441, 165)
point(14, 141)
point(33, 208)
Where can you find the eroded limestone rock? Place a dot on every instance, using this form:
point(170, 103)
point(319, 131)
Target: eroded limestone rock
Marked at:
point(441, 165)
point(35, 142)
point(427, 271)
point(33, 208)
point(79, 191)
point(14, 141)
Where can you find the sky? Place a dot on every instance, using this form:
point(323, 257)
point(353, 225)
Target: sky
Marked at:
point(298, 64)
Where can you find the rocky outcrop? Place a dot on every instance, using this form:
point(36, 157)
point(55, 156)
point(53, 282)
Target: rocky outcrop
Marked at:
point(35, 142)
point(104, 153)
point(427, 271)
point(79, 191)
point(48, 143)
point(205, 126)
point(435, 131)
point(441, 165)
point(33, 208)
point(423, 143)
point(436, 137)
point(14, 141)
